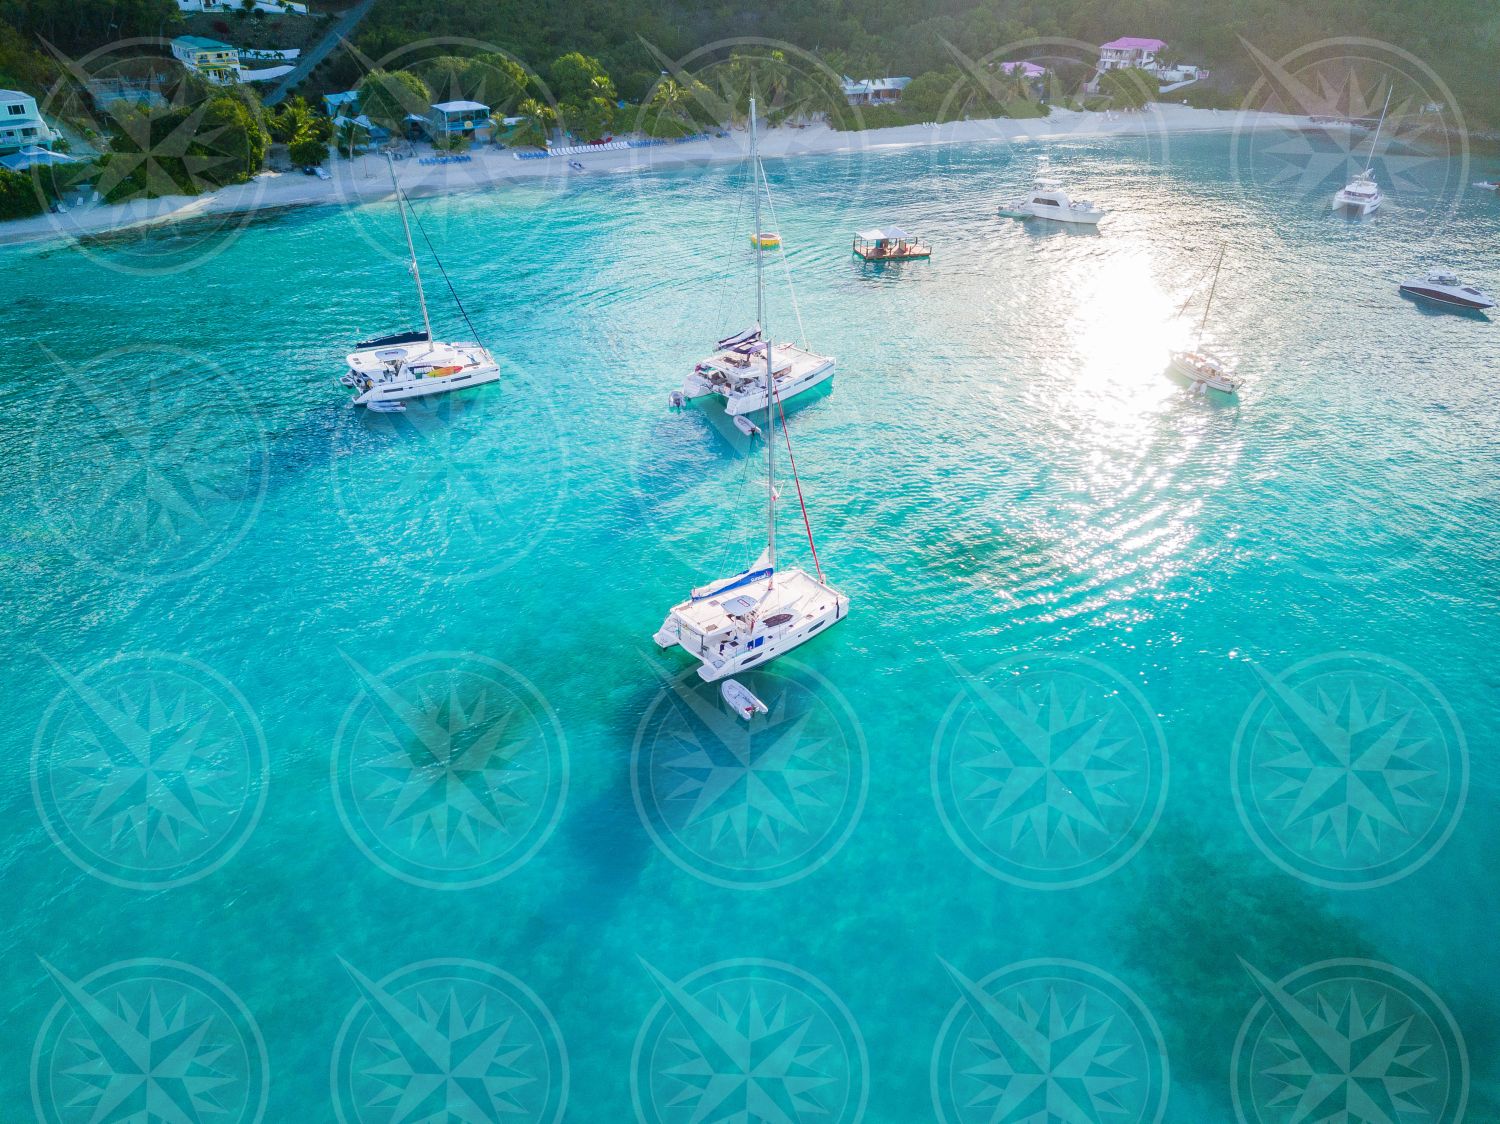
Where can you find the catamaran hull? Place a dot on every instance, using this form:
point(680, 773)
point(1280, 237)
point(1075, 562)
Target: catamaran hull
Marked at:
point(761, 650)
point(425, 387)
point(752, 401)
point(787, 389)
point(1359, 207)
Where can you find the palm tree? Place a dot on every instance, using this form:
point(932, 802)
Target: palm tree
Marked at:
point(539, 118)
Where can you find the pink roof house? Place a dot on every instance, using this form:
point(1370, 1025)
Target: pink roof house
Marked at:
point(1130, 51)
point(1025, 69)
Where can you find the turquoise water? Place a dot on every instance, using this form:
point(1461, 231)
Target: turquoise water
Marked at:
point(1043, 536)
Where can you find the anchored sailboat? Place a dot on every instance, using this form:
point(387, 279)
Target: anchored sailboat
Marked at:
point(1204, 370)
point(731, 372)
point(1362, 194)
point(749, 618)
point(412, 364)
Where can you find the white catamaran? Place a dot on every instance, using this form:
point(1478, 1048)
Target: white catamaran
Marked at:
point(733, 371)
point(1203, 370)
point(749, 618)
point(389, 369)
point(1361, 195)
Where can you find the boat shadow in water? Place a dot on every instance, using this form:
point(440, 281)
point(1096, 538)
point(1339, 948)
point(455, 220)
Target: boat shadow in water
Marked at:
point(1429, 307)
point(725, 427)
point(608, 847)
point(316, 438)
point(866, 270)
point(1051, 228)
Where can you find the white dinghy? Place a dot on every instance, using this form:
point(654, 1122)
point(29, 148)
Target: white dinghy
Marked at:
point(745, 704)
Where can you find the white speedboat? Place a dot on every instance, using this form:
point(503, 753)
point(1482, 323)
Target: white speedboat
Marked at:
point(412, 364)
point(747, 619)
point(1050, 200)
point(733, 372)
point(1203, 370)
point(1361, 195)
point(1487, 185)
point(1445, 288)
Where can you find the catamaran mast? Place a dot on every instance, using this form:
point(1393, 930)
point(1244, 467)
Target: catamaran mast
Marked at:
point(760, 320)
point(1379, 125)
point(1211, 290)
point(410, 246)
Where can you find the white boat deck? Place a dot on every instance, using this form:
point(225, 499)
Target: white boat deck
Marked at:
point(417, 357)
point(753, 622)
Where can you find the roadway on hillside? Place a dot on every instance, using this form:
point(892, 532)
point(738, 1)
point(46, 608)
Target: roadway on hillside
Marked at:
point(340, 31)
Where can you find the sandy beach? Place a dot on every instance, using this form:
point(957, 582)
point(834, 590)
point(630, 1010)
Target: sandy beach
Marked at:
point(366, 179)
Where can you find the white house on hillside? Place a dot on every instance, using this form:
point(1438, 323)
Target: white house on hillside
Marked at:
point(218, 62)
point(271, 7)
point(1144, 54)
point(1130, 51)
point(21, 123)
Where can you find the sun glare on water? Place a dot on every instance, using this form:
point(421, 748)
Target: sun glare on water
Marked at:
point(1123, 328)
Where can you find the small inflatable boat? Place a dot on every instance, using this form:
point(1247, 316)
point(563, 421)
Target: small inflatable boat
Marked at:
point(737, 695)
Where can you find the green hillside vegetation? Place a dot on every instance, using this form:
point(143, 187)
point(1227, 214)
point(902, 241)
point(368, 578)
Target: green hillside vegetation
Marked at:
point(598, 68)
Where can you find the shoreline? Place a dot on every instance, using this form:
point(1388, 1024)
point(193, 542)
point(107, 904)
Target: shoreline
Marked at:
point(364, 179)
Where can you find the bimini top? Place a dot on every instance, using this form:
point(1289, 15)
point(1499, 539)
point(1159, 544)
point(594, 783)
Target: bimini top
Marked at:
point(392, 341)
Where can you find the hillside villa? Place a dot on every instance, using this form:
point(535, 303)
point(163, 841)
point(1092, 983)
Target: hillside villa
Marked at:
point(1130, 51)
point(218, 62)
point(21, 123)
point(873, 91)
point(1144, 54)
point(270, 7)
